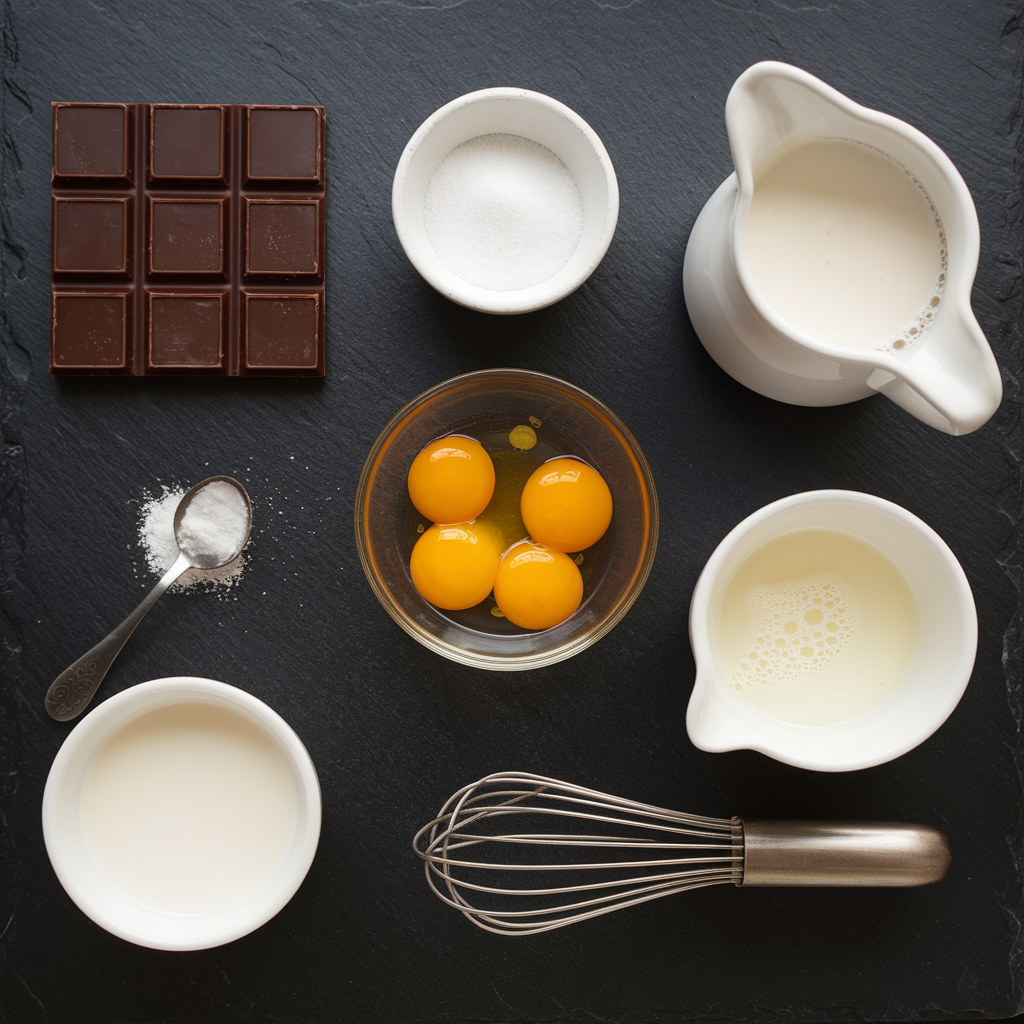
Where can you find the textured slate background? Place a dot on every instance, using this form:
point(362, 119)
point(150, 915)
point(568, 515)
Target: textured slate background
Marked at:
point(394, 729)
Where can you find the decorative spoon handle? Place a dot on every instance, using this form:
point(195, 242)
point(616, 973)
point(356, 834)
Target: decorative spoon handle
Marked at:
point(71, 691)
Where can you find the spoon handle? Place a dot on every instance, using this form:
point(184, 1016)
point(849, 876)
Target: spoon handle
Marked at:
point(71, 691)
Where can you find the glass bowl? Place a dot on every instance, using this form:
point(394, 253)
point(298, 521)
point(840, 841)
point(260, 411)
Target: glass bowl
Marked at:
point(573, 423)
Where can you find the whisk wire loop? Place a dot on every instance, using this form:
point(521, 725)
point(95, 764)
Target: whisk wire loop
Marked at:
point(686, 852)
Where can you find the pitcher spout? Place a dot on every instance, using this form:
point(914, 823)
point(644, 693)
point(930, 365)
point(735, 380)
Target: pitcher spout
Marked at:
point(949, 379)
point(773, 104)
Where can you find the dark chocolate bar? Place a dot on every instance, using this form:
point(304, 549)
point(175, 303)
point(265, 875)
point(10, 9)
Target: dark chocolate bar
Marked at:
point(187, 239)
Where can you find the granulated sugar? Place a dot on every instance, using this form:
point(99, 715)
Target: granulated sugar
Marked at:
point(156, 538)
point(503, 213)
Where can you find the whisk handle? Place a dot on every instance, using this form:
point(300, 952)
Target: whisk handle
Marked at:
point(865, 853)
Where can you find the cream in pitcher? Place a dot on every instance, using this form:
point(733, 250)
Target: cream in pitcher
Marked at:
point(838, 260)
point(845, 244)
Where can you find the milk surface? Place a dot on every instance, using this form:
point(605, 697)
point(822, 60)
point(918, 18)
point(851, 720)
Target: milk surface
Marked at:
point(816, 628)
point(189, 808)
point(845, 244)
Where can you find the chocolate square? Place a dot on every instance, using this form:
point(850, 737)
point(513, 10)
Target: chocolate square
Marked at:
point(186, 331)
point(89, 331)
point(186, 142)
point(186, 236)
point(90, 235)
point(282, 331)
point(90, 140)
point(284, 143)
point(283, 236)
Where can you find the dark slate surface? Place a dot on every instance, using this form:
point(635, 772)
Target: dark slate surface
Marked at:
point(394, 729)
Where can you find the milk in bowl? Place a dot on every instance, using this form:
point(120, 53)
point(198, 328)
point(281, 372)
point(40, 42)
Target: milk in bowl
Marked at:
point(189, 808)
point(181, 813)
point(831, 630)
point(816, 628)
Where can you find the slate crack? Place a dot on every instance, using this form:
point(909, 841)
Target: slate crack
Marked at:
point(305, 85)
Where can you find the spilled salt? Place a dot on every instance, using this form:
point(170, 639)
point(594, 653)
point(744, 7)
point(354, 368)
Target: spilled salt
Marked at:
point(503, 213)
point(160, 548)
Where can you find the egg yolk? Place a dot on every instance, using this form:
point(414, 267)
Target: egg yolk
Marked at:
point(453, 566)
point(566, 505)
point(536, 588)
point(451, 480)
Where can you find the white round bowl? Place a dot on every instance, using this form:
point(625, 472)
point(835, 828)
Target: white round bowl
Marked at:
point(97, 895)
point(530, 115)
point(718, 719)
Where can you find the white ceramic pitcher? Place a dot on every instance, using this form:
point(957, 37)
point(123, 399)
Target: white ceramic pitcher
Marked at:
point(947, 377)
point(719, 719)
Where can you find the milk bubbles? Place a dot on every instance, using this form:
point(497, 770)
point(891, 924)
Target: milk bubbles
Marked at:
point(801, 627)
point(815, 628)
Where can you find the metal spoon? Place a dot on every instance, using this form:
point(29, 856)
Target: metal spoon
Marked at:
point(72, 690)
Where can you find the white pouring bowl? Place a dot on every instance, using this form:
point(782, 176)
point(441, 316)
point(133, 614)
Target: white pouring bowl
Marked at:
point(718, 719)
point(98, 896)
point(532, 116)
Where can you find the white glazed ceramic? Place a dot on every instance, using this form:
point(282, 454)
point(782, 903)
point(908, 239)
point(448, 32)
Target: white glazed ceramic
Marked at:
point(530, 115)
point(97, 896)
point(948, 378)
point(718, 719)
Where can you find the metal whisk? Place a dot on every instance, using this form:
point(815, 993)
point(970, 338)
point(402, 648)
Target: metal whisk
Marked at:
point(540, 878)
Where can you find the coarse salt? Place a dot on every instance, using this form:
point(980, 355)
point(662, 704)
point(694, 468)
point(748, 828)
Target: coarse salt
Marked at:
point(503, 212)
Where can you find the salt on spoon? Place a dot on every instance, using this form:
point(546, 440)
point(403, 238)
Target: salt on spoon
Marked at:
point(211, 526)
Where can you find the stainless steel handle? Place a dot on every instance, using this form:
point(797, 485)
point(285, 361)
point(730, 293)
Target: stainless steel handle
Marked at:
point(866, 853)
point(71, 691)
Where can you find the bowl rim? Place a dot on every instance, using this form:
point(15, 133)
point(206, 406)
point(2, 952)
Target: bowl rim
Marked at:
point(700, 641)
point(209, 931)
point(637, 579)
point(485, 300)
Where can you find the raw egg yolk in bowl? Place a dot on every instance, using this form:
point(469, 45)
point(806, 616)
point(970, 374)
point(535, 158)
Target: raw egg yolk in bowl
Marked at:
point(451, 480)
point(563, 506)
point(537, 588)
point(453, 566)
point(566, 505)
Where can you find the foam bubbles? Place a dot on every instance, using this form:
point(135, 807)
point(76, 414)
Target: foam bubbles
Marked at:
point(801, 628)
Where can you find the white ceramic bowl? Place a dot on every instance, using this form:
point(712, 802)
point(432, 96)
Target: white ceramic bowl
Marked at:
point(719, 719)
point(97, 895)
point(530, 115)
